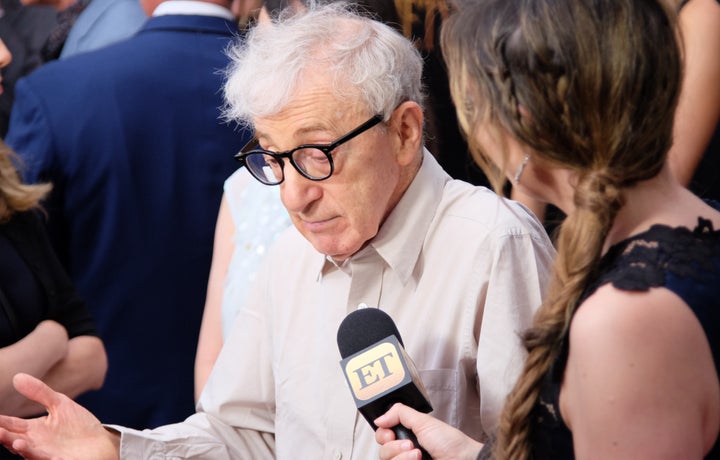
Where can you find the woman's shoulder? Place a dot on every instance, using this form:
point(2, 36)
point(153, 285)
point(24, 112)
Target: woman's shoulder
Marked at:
point(643, 332)
point(611, 312)
point(638, 362)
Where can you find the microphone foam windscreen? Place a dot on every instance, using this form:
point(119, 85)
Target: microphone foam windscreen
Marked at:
point(364, 327)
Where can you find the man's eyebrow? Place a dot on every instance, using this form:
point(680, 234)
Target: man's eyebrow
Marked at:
point(313, 129)
point(304, 130)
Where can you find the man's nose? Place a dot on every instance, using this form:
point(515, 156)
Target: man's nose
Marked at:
point(296, 191)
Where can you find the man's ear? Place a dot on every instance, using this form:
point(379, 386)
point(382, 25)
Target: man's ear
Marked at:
point(407, 126)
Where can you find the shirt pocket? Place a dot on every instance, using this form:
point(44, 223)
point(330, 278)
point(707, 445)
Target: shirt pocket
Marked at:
point(442, 387)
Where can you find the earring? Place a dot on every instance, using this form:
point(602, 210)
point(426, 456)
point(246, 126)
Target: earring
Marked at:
point(520, 170)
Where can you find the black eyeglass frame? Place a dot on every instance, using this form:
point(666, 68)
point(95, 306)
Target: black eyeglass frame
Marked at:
point(253, 148)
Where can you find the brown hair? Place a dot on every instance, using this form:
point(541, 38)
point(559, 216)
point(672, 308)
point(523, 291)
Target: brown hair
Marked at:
point(16, 196)
point(599, 80)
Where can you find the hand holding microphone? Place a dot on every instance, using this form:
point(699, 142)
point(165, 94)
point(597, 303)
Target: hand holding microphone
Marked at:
point(442, 441)
point(377, 369)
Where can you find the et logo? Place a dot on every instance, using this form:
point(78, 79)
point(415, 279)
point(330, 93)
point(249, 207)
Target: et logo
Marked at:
point(376, 370)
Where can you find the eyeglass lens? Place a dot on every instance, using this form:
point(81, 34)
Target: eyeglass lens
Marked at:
point(311, 162)
point(264, 167)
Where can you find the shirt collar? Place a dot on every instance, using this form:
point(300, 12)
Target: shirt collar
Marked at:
point(400, 238)
point(192, 8)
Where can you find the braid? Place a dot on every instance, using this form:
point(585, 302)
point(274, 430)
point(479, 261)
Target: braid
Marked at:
point(598, 198)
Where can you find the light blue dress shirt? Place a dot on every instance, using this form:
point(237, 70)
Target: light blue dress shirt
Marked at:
point(102, 23)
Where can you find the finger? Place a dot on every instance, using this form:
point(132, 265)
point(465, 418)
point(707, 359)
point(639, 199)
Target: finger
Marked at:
point(35, 390)
point(7, 439)
point(18, 445)
point(414, 454)
point(400, 414)
point(390, 418)
point(403, 449)
point(28, 452)
point(12, 425)
point(410, 418)
point(383, 435)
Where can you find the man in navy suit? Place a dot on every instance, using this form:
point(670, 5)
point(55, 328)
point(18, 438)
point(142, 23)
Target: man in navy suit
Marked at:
point(131, 138)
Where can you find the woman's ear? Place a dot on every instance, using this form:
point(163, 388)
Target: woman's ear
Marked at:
point(407, 125)
point(524, 113)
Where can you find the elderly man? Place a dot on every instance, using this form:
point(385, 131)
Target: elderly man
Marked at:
point(335, 102)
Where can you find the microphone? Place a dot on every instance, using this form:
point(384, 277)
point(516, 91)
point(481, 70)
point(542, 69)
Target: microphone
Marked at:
point(378, 370)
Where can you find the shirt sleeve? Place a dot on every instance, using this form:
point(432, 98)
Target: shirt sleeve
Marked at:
point(520, 272)
point(199, 437)
point(236, 412)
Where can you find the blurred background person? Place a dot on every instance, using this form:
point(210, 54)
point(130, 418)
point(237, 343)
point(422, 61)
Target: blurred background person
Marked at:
point(420, 21)
point(130, 137)
point(250, 218)
point(104, 22)
point(67, 12)
point(24, 30)
point(695, 156)
point(45, 328)
point(576, 106)
point(35, 32)
point(245, 11)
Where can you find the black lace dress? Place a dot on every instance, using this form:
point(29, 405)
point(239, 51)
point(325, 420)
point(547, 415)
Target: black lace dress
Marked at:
point(683, 261)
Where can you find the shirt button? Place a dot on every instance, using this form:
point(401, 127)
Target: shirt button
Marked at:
point(337, 456)
point(362, 305)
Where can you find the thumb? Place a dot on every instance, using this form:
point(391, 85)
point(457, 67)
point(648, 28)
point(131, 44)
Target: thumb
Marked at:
point(35, 390)
point(400, 414)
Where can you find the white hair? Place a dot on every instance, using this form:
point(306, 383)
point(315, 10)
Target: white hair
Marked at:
point(363, 57)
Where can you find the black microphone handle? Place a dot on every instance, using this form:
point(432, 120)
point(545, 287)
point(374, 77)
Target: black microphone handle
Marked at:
point(403, 433)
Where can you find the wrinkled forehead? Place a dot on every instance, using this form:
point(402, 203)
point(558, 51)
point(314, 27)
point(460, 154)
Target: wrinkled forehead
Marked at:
point(316, 103)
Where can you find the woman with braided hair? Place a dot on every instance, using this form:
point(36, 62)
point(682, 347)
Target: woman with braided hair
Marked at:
point(573, 100)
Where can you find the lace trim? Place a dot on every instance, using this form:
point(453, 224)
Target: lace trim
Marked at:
point(641, 262)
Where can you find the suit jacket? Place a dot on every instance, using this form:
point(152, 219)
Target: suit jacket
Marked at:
point(130, 137)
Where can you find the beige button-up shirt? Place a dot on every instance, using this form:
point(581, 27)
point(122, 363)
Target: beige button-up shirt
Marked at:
point(460, 270)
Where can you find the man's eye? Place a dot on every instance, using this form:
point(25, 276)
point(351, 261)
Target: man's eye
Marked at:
point(313, 155)
point(271, 161)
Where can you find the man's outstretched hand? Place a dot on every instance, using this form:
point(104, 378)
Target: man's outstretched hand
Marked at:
point(67, 432)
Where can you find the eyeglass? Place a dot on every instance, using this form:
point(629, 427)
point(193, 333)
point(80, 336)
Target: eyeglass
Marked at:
point(312, 161)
